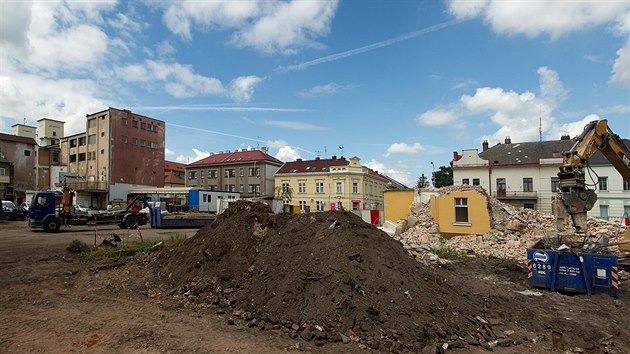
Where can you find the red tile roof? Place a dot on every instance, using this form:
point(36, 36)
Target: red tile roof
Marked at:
point(313, 166)
point(17, 139)
point(236, 157)
point(174, 166)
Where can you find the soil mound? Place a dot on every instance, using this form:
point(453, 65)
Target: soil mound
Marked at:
point(323, 276)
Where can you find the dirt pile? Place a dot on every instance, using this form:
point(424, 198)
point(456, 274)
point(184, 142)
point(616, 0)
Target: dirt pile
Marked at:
point(323, 276)
point(513, 230)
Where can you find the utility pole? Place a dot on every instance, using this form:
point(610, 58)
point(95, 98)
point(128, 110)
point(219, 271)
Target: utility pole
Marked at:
point(433, 175)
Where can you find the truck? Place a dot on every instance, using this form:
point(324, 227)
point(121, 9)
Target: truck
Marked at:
point(586, 267)
point(49, 210)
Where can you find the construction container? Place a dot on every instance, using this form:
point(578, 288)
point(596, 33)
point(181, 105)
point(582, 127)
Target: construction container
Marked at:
point(570, 270)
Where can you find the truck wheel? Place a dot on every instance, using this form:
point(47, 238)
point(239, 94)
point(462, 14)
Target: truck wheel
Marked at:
point(51, 225)
point(132, 222)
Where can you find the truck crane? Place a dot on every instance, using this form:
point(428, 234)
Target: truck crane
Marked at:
point(575, 198)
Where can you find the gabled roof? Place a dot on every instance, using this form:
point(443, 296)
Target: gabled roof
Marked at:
point(17, 139)
point(311, 166)
point(236, 157)
point(531, 152)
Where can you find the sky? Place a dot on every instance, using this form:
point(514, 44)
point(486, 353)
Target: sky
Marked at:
point(399, 84)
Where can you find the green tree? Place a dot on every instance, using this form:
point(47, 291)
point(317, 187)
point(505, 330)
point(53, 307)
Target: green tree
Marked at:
point(443, 176)
point(423, 182)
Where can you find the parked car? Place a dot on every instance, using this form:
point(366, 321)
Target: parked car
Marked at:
point(12, 212)
point(81, 208)
point(24, 206)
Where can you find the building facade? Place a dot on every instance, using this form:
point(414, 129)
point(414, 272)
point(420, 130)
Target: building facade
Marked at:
point(525, 175)
point(331, 184)
point(249, 172)
point(119, 150)
point(174, 174)
point(49, 164)
point(18, 158)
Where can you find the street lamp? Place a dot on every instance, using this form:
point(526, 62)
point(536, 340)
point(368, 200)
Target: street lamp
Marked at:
point(433, 176)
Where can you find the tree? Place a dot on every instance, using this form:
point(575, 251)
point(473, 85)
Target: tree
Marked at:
point(285, 192)
point(443, 177)
point(423, 182)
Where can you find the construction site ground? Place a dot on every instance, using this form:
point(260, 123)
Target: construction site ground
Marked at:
point(352, 290)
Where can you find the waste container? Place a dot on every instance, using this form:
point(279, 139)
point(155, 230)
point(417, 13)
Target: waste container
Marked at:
point(570, 270)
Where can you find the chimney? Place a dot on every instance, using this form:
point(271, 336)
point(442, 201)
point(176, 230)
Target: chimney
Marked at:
point(264, 149)
point(456, 156)
point(565, 137)
point(298, 160)
point(317, 158)
point(484, 145)
point(508, 140)
point(334, 157)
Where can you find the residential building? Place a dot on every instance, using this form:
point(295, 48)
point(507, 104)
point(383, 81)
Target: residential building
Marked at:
point(525, 175)
point(49, 164)
point(461, 212)
point(332, 184)
point(119, 150)
point(249, 172)
point(17, 163)
point(174, 174)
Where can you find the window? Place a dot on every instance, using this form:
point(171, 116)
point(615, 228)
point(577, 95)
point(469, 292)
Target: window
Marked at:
point(2, 171)
point(257, 171)
point(241, 188)
point(355, 187)
point(528, 184)
point(54, 133)
point(555, 184)
point(143, 125)
point(257, 188)
point(192, 175)
point(42, 201)
point(603, 212)
point(82, 141)
point(476, 181)
point(213, 174)
point(461, 210)
point(319, 205)
point(301, 187)
point(319, 187)
point(302, 204)
point(102, 134)
point(500, 186)
point(124, 121)
point(153, 145)
point(626, 186)
point(603, 183)
point(73, 143)
point(92, 123)
point(465, 181)
point(143, 142)
point(134, 123)
point(241, 172)
point(626, 211)
point(285, 187)
point(27, 152)
point(201, 174)
point(102, 151)
point(251, 172)
point(82, 156)
point(73, 158)
point(339, 187)
point(92, 139)
point(123, 139)
point(134, 141)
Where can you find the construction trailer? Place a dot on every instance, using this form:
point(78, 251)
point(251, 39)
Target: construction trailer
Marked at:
point(182, 199)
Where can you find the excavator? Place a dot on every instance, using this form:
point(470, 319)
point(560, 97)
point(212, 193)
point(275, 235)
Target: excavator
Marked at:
point(575, 199)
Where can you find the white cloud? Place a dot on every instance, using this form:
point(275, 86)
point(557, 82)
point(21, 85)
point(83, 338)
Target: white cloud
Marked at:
point(404, 148)
point(190, 159)
point(399, 176)
point(438, 116)
point(276, 144)
point(516, 114)
point(168, 152)
point(165, 49)
point(324, 90)
point(288, 154)
point(267, 26)
point(533, 18)
point(293, 125)
point(573, 129)
point(241, 89)
point(621, 67)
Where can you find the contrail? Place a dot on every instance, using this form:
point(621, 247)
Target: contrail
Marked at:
point(221, 108)
point(370, 47)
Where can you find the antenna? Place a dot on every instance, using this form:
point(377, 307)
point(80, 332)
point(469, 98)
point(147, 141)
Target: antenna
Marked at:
point(258, 137)
point(540, 124)
point(341, 148)
point(317, 153)
point(325, 152)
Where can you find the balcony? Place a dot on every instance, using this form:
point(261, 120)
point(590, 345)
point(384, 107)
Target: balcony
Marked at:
point(88, 186)
point(503, 194)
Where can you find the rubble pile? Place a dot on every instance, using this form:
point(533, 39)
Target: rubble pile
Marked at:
point(512, 231)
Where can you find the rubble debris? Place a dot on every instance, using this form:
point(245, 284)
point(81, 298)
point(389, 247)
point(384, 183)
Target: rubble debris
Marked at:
point(513, 230)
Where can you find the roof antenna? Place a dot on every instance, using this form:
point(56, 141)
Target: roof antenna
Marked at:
point(341, 148)
point(540, 124)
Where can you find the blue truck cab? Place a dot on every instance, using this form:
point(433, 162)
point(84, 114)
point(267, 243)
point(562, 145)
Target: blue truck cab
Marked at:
point(42, 212)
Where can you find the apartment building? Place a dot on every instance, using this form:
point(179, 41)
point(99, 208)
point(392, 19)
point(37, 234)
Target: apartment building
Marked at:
point(249, 172)
point(174, 174)
point(119, 150)
point(18, 154)
point(525, 175)
point(49, 164)
point(332, 184)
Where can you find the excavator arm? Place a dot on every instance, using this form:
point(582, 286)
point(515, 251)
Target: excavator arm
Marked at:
point(575, 198)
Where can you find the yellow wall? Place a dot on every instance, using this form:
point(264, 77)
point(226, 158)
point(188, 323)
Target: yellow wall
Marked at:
point(397, 204)
point(443, 213)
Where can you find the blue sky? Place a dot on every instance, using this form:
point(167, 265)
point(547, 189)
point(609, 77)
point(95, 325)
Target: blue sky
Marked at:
point(399, 84)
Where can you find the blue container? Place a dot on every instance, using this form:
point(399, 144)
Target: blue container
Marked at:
point(568, 270)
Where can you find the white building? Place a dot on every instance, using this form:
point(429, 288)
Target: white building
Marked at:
point(525, 175)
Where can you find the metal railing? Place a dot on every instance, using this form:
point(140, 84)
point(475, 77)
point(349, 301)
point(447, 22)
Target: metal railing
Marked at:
point(519, 194)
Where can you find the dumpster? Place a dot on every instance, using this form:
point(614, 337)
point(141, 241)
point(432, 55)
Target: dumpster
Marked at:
point(571, 270)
